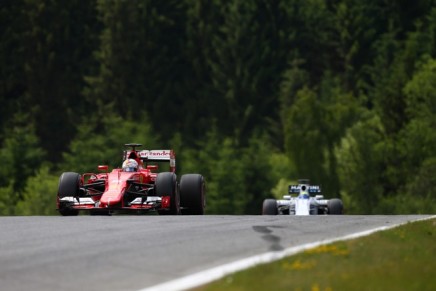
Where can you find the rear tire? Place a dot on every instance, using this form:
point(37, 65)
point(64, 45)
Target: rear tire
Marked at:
point(335, 206)
point(192, 194)
point(269, 207)
point(69, 186)
point(166, 185)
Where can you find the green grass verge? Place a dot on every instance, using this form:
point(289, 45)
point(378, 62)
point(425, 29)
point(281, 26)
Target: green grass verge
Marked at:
point(402, 258)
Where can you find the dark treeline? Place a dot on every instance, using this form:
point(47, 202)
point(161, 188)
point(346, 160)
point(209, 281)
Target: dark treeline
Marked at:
point(253, 94)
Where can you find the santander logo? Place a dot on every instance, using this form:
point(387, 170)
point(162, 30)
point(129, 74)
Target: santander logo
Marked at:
point(155, 153)
point(163, 153)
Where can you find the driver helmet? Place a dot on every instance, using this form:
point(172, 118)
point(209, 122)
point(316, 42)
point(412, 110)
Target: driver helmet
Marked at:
point(130, 165)
point(304, 194)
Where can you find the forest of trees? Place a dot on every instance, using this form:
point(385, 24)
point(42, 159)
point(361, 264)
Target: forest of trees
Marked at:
point(252, 94)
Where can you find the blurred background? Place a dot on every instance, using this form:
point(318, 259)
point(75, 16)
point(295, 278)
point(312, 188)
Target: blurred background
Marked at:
point(252, 94)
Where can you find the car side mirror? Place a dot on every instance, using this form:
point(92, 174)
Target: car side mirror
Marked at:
point(152, 167)
point(103, 168)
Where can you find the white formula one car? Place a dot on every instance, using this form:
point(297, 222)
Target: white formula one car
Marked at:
point(302, 202)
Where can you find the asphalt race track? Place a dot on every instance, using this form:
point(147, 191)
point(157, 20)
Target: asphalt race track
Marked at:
point(136, 252)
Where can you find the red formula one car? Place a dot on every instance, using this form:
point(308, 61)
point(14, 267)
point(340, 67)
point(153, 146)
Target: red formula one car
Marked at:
point(128, 189)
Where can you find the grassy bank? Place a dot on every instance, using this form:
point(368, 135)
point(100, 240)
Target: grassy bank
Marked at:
point(402, 258)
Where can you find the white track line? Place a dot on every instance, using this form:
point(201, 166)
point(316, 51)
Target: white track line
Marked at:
point(219, 272)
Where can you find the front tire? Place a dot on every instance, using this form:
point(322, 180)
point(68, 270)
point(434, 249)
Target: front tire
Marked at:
point(166, 185)
point(335, 206)
point(69, 186)
point(192, 194)
point(269, 207)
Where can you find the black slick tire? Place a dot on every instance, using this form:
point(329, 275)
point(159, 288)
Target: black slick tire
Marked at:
point(269, 207)
point(335, 206)
point(69, 186)
point(192, 194)
point(166, 185)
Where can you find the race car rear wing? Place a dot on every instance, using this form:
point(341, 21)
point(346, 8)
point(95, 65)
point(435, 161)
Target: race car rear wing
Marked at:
point(295, 189)
point(154, 156)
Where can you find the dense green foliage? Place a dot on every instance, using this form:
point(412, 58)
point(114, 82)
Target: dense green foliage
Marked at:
point(252, 94)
